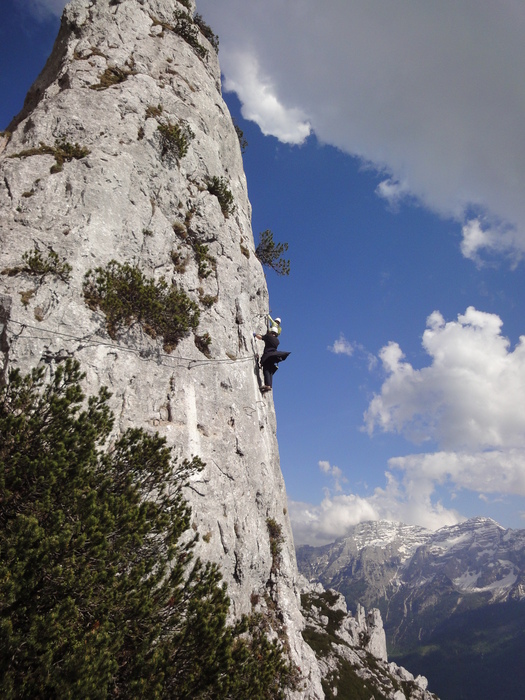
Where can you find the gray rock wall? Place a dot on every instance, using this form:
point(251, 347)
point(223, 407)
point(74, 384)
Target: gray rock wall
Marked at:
point(125, 200)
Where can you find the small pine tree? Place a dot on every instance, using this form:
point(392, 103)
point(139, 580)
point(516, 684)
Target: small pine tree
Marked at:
point(270, 253)
point(99, 595)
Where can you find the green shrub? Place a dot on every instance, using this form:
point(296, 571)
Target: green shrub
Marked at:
point(218, 186)
point(35, 264)
point(186, 28)
point(270, 253)
point(349, 685)
point(207, 32)
point(243, 143)
point(205, 261)
point(153, 111)
point(125, 295)
point(175, 140)
point(207, 300)
point(275, 532)
point(100, 596)
point(320, 642)
point(63, 151)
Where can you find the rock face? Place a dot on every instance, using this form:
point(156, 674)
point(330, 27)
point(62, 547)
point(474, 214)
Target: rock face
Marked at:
point(118, 72)
point(352, 651)
point(125, 160)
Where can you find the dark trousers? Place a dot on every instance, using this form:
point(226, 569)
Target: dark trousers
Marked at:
point(269, 369)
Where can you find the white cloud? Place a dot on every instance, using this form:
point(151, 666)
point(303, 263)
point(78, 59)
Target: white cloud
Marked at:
point(501, 240)
point(494, 471)
point(334, 472)
point(406, 501)
point(393, 192)
point(342, 347)
point(471, 397)
point(331, 519)
point(470, 401)
point(431, 95)
point(259, 101)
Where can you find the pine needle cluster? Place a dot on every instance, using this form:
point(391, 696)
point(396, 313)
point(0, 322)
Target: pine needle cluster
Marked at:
point(125, 295)
point(270, 253)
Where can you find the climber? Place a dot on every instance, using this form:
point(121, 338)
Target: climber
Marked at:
point(276, 323)
point(271, 356)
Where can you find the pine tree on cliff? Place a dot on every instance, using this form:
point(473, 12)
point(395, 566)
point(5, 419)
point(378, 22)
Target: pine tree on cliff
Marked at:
point(99, 594)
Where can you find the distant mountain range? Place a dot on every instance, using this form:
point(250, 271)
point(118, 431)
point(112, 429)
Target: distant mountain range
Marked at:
point(452, 601)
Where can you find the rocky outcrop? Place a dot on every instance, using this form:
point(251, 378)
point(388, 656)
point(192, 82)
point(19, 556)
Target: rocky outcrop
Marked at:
point(126, 242)
point(352, 650)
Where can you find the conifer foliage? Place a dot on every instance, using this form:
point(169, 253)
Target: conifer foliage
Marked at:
point(270, 253)
point(100, 596)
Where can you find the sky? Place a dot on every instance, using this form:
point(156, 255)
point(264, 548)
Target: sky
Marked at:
point(386, 146)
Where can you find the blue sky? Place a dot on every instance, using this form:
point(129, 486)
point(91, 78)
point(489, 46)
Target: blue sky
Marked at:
point(385, 146)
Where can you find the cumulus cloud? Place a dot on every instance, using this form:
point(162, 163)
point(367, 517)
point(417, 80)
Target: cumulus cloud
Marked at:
point(493, 471)
point(401, 500)
point(469, 402)
point(393, 192)
point(433, 96)
point(500, 239)
point(342, 347)
point(334, 472)
point(472, 396)
point(331, 519)
point(260, 102)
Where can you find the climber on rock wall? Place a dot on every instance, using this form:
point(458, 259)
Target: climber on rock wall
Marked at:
point(271, 356)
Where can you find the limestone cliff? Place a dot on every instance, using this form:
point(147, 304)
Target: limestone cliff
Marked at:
point(118, 72)
point(125, 151)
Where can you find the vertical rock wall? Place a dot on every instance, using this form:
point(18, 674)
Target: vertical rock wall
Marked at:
point(85, 176)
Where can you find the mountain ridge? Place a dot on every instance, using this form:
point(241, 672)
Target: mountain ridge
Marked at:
point(455, 595)
point(483, 537)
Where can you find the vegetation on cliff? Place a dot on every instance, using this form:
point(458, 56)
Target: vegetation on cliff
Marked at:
point(270, 253)
point(100, 595)
point(125, 296)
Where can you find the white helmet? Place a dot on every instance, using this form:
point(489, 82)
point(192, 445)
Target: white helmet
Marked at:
point(275, 330)
point(277, 320)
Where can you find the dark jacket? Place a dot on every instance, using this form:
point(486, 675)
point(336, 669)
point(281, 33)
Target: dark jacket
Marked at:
point(271, 354)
